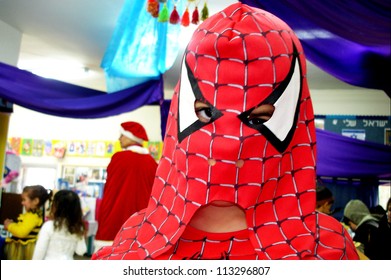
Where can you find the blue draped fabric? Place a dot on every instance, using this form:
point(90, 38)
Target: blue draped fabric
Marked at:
point(349, 39)
point(141, 48)
point(66, 100)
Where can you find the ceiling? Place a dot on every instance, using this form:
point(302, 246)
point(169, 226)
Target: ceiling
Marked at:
point(75, 30)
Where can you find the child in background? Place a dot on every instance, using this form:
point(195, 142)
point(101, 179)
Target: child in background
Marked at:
point(20, 246)
point(364, 226)
point(63, 234)
point(324, 200)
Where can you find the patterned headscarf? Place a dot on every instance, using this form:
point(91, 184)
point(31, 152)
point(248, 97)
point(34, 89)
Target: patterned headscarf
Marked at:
point(237, 60)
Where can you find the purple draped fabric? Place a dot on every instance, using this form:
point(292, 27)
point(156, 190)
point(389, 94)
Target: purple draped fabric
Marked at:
point(341, 156)
point(350, 40)
point(66, 100)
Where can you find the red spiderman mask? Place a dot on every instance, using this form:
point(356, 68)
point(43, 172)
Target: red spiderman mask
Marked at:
point(238, 61)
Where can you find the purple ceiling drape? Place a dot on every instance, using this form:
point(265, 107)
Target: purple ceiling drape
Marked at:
point(341, 156)
point(66, 100)
point(349, 39)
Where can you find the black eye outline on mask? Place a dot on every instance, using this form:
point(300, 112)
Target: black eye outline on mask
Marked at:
point(292, 82)
point(189, 86)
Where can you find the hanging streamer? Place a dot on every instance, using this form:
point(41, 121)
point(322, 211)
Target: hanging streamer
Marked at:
point(174, 17)
point(195, 16)
point(153, 8)
point(205, 12)
point(161, 10)
point(185, 18)
point(163, 14)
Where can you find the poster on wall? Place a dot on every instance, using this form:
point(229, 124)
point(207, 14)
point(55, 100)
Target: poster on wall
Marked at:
point(48, 147)
point(15, 144)
point(155, 149)
point(59, 148)
point(27, 147)
point(74, 148)
point(38, 146)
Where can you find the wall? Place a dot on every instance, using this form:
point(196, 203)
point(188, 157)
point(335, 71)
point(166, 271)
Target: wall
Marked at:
point(9, 44)
point(352, 101)
point(26, 123)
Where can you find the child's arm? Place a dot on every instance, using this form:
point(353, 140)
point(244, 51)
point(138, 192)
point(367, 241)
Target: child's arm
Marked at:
point(27, 222)
point(7, 222)
point(81, 247)
point(42, 244)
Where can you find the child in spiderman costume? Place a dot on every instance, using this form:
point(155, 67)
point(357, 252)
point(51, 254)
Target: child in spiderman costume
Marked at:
point(237, 176)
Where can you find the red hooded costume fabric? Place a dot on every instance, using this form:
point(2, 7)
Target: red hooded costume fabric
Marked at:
point(237, 60)
point(130, 177)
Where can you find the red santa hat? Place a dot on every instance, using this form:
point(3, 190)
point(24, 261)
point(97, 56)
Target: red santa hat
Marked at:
point(134, 131)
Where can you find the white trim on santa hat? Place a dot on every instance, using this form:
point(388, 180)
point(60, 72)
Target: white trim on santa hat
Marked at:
point(130, 135)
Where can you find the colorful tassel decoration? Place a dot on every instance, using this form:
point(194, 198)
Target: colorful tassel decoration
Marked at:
point(174, 17)
point(205, 12)
point(153, 8)
point(195, 16)
point(164, 14)
point(185, 18)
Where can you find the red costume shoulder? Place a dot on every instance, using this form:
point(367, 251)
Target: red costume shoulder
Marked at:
point(333, 242)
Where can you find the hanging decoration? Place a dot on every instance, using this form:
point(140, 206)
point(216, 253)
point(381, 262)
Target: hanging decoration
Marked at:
point(141, 48)
point(144, 44)
point(174, 17)
point(195, 18)
point(163, 14)
point(185, 21)
point(153, 8)
point(205, 12)
point(161, 10)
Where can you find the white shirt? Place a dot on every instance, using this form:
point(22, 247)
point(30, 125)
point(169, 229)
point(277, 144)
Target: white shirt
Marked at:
point(58, 244)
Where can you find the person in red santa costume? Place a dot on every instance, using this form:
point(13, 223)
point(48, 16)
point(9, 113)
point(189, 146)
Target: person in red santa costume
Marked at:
point(130, 176)
point(237, 176)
